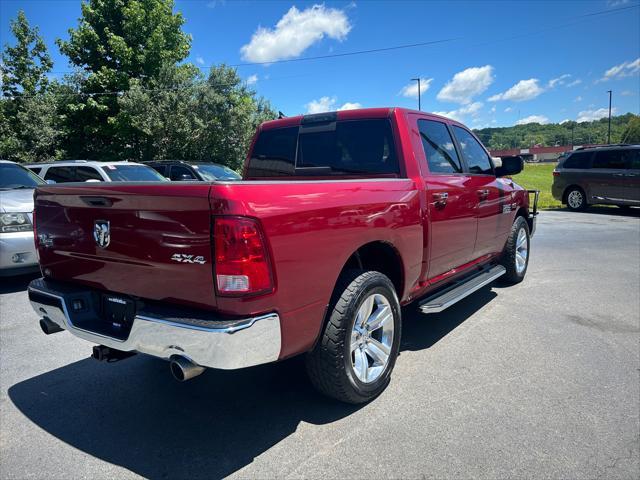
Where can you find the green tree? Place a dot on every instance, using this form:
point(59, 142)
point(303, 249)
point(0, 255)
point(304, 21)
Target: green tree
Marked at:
point(183, 115)
point(118, 43)
point(29, 120)
point(26, 64)
point(631, 133)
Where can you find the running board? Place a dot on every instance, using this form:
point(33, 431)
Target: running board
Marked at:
point(458, 291)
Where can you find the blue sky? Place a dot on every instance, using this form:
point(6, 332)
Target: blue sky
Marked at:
point(509, 62)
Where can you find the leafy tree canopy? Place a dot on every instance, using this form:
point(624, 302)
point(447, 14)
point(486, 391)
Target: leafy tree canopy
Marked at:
point(25, 65)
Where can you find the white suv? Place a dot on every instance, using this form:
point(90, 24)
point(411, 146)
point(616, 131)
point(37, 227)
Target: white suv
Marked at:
point(92, 171)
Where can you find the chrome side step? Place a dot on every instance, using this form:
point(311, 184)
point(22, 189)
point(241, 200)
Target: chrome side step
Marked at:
point(457, 292)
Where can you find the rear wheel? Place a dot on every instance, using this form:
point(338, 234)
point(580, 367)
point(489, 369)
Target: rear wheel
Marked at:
point(576, 199)
point(515, 258)
point(356, 353)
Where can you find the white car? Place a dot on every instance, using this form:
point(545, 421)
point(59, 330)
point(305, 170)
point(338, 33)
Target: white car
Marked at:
point(91, 171)
point(17, 248)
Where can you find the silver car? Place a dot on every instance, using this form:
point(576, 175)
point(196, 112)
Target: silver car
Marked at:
point(17, 248)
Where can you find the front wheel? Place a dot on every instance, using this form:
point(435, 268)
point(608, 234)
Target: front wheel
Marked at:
point(515, 258)
point(357, 351)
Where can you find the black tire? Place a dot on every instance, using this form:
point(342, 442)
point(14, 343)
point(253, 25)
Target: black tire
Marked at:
point(576, 199)
point(509, 255)
point(329, 364)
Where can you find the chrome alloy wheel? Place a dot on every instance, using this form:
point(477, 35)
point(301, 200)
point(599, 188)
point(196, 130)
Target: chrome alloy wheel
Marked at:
point(575, 199)
point(522, 251)
point(372, 338)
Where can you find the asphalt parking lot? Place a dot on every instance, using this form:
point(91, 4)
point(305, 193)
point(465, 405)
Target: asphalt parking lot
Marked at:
point(538, 380)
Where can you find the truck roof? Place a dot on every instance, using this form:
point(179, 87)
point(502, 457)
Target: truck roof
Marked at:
point(359, 113)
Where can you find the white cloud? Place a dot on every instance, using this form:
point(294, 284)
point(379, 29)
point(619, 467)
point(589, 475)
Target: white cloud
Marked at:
point(561, 80)
point(521, 91)
point(493, 109)
point(508, 109)
point(578, 99)
point(252, 79)
point(295, 32)
point(627, 93)
point(590, 115)
point(472, 110)
point(200, 60)
point(215, 3)
point(625, 69)
point(533, 119)
point(565, 121)
point(328, 104)
point(411, 89)
point(577, 81)
point(350, 106)
point(616, 3)
point(467, 84)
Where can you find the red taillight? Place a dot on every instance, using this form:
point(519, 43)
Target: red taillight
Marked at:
point(556, 173)
point(242, 264)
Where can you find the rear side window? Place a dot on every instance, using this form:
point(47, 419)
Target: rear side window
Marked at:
point(35, 170)
point(614, 159)
point(178, 172)
point(578, 160)
point(87, 173)
point(333, 148)
point(438, 147)
point(160, 168)
point(274, 153)
point(634, 160)
point(61, 174)
point(475, 156)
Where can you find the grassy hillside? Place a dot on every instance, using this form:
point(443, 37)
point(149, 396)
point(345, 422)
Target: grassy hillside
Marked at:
point(538, 176)
point(524, 136)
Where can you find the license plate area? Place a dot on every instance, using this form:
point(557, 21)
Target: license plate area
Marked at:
point(117, 313)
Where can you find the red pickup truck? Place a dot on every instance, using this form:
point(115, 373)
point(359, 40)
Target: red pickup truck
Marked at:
point(340, 219)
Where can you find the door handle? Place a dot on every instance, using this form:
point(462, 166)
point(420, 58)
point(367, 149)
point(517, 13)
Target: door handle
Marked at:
point(483, 194)
point(440, 199)
point(618, 174)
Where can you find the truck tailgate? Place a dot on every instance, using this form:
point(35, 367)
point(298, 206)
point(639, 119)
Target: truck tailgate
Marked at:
point(151, 241)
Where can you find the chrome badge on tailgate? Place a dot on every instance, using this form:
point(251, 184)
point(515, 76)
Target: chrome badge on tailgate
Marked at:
point(186, 258)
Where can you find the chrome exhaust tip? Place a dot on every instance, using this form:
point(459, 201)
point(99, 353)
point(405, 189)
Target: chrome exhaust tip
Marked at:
point(48, 327)
point(183, 369)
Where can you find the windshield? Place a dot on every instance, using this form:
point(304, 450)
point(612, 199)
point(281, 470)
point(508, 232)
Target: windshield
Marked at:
point(14, 176)
point(211, 171)
point(132, 173)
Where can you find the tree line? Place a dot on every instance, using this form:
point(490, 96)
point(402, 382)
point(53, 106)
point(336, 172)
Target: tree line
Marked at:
point(131, 95)
point(624, 129)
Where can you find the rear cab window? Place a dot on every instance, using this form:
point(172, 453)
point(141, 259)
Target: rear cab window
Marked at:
point(330, 148)
point(438, 147)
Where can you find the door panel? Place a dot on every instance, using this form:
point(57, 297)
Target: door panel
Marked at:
point(452, 220)
point(493, 213)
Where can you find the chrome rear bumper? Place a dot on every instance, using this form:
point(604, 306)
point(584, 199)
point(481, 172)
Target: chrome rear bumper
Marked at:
point(216, 343)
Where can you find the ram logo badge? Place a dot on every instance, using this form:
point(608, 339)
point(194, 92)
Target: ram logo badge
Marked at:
point(101, 233)
point(185, 258)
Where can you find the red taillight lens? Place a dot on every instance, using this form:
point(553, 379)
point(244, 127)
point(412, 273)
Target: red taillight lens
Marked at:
point(556, 173)
point(242, 263)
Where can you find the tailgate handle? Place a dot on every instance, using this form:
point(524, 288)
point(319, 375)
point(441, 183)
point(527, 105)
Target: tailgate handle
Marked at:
point(97, 201)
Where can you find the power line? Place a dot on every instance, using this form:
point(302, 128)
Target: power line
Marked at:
point(358, 52)
point(419, 44)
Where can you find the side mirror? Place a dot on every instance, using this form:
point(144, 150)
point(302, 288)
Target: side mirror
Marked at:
point(510, 166)
point(50, 182)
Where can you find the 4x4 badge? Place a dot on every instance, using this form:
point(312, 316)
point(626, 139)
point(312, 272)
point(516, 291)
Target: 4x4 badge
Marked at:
point(186, 258)
point(102, 233)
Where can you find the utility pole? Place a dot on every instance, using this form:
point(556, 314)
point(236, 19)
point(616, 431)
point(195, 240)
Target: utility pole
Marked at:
point(419, 92)
point(572, 129)
point(609, 132)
